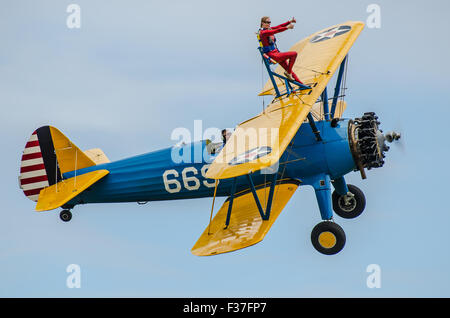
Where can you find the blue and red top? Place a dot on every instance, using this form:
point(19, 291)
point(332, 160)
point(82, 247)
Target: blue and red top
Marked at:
point(267, 37)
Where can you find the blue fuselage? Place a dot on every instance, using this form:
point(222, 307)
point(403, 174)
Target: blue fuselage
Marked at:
point(156, 176)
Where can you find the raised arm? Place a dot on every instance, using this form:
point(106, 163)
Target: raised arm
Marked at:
point(283, 25)
point(272, 31)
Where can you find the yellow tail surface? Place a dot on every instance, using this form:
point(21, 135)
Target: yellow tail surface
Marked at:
point(47, 156)
point(54, 196)
point(69, 156)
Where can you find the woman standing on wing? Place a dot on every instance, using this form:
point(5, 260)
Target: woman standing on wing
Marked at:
point(268, 41)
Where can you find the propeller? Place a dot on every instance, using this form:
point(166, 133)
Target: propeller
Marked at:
point(392, 135)
point(394, 138)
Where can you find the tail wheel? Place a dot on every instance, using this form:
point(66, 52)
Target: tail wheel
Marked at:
point(349, 206)
point(328, 238)
point(65, 215)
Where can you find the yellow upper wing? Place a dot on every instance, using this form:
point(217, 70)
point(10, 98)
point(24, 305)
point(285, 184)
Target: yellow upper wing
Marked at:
point(320, 54)
point(260, 141)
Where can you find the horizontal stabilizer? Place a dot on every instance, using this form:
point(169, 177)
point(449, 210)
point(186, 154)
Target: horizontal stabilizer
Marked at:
point(54, 196)
point(246, 226)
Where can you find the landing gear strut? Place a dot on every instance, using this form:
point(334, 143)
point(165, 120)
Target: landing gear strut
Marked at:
point(65, 215)
point(327, 237)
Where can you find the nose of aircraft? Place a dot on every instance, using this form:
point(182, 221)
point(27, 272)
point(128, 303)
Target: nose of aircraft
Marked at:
point(367, 141)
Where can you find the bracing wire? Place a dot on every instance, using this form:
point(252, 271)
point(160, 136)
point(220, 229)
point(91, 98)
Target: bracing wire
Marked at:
point(309, 69)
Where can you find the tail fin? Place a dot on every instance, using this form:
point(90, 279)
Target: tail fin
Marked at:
point(47, 156)
point(69, 156)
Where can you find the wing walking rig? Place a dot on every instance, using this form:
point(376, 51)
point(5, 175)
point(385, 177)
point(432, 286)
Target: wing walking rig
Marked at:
point(299, 139)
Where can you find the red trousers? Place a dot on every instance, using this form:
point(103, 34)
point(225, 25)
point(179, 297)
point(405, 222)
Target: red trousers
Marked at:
point(282, 58)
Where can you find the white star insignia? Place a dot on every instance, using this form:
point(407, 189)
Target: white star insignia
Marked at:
point(326, 34)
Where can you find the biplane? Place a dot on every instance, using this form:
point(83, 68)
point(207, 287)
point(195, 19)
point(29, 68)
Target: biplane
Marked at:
point(299, 139)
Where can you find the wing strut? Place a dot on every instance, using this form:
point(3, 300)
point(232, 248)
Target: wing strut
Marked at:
point(230, 205)
point(338, 85)
point(314, 127)
point(265, 215)
point(326, 111)
point(212, 208)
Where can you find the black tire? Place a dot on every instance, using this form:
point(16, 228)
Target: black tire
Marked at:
point(65, 215)
point(328, 238)
point(351, 209)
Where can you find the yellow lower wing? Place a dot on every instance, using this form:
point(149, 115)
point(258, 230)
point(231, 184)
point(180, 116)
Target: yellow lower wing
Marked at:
point(62, 192)
point(246, 226)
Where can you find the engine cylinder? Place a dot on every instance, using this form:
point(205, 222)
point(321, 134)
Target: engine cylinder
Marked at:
point(366, 141)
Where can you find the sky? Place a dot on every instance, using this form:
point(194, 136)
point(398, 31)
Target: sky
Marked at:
point(135, 71)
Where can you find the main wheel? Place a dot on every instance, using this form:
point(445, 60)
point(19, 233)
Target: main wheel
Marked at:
point(328, 238)
point(65, 215)
point(349, 206)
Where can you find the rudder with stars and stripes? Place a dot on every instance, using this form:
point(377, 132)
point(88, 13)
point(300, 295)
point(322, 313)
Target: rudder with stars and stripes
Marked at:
point(38, 166)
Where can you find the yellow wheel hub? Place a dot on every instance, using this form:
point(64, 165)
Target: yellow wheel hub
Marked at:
point(327, 239)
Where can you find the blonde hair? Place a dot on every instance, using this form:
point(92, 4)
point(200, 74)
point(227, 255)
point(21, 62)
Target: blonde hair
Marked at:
point(263, 19)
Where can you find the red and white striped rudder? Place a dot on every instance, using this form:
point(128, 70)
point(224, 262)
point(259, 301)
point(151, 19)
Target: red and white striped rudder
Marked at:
point(38, 166)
